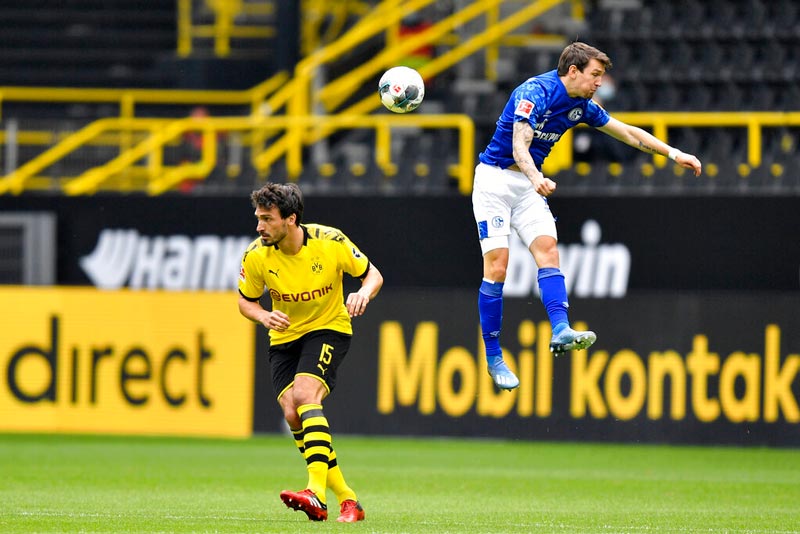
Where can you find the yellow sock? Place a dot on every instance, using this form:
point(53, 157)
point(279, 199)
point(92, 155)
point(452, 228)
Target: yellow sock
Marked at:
point(317, 445)
point(336, 481)
point(298, 441)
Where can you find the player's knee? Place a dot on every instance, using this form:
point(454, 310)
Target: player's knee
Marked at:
point(300, 398)
point(307, 392)
point(545, 252)
point(289, 409)
point(495, 266)
point(292, 418)
point(547, 259)
point(496, 272)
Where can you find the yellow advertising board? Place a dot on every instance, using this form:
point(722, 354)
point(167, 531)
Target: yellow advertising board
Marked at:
point(124, 362)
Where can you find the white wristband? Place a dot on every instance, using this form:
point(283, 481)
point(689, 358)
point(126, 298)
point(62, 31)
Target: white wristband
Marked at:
point(673, 153)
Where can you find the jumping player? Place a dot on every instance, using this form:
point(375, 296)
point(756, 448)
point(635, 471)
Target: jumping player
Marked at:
point(510, 192)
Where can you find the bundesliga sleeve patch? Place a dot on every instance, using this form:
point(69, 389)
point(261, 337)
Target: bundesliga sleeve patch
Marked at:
point(483, 229)
point(524, 109)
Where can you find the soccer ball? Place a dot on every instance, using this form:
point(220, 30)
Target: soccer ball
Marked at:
point(401, 89)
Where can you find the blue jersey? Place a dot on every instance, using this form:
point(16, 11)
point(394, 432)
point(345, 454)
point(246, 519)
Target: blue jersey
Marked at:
point(543, 102)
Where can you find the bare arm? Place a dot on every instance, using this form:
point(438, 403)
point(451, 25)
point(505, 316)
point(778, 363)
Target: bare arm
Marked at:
point(522, 136)
point(275, 320)
point(370, 285)
point(646, 142)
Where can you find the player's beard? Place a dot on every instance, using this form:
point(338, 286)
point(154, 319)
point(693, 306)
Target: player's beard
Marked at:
point(275, 237)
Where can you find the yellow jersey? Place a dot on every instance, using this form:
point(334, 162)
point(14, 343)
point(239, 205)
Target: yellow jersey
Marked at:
point(307, 286)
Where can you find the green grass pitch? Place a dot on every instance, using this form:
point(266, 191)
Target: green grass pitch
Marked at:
point(140, 484)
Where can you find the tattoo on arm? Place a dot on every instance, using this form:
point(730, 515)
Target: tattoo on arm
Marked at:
point(522, 136)
point(645, 148)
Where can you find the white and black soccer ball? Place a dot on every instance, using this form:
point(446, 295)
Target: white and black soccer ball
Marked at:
point(401, 89)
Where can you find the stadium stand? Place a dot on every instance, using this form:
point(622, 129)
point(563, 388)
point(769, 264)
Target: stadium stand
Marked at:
point(716, 56)
point(742, 52)
point(87, 43)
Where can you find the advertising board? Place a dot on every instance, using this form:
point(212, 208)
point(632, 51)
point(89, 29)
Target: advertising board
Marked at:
point(84, 360)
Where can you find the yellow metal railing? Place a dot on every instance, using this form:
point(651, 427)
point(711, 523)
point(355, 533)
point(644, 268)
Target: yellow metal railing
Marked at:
point(492, 50)
point(302, 126)
point(335, 92)
point(270, 97)
point(127, 99)
point(324, 21)
point(161, 132)
point(224, 27)
point(156, 134)
point(258, 99)
point(659, 123)
point(385, 16)
point(153, 135)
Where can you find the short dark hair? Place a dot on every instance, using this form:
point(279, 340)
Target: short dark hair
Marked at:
point(286, 197)
point(579, 54)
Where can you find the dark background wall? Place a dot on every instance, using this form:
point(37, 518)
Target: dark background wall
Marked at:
point(718, 277)
point(719, 343)
point(689, 244)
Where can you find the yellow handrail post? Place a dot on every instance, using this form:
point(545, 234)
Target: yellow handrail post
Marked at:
point(466, 157)
point(754, 143)
point(184, 28)
point(222, 28)
point(298, 106)
point(578, 10)
point(309, 30)
point(209, 158)
point(155, 162)
point(493, 50)
point(660, 131)
point(383, 147)
point(127, 109)
point(127, 105)
point(393, 34)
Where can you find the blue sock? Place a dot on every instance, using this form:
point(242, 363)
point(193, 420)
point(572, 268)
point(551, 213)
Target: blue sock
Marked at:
point(490, 309)
point(554, 297)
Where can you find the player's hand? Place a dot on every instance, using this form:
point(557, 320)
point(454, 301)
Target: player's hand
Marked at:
point(276, 320)
point(356, 303)
point(690, 162)
point(543, 186)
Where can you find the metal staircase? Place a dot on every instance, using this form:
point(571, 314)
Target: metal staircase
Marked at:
point(310, 109)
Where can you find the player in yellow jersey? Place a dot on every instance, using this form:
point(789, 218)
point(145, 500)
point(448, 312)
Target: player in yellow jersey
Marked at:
point(301, 267)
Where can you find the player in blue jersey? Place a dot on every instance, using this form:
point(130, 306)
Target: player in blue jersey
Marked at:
point(510, 191)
